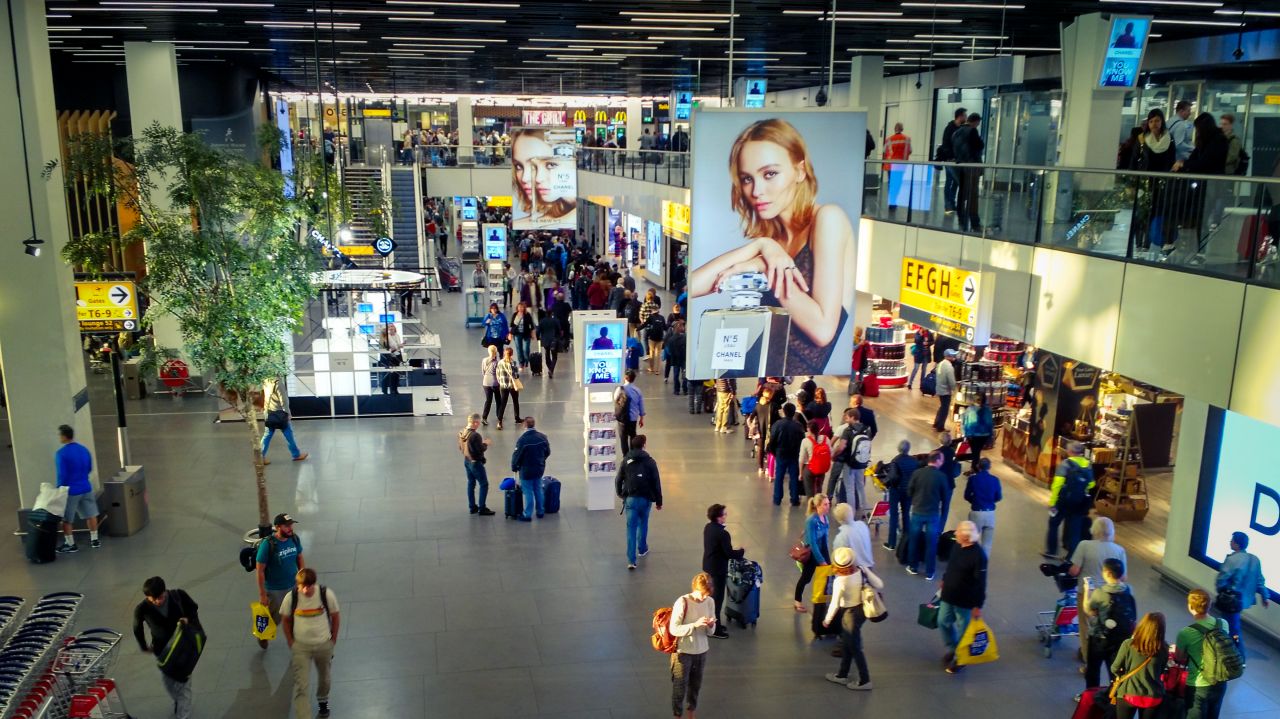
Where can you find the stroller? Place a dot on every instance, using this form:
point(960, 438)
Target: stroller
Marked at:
point(1062, 620)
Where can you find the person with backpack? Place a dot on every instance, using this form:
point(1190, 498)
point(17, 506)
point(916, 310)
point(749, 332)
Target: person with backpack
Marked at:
point(1206, 649)
point(628, 409)
point(472, 446)
point(897, 473)
point(978, 425)
point(815, 459)
point(655, 330)
point(982, 492)
point(1113, 610)
point(866, 415)
point(311, 623)
point(162, 611)
point(1239, 581)
point(950, 467)
point(530, 459)
point(639, 486)
point(279, 558)
point(853, 452)
point(1069, 500)
point(1140, 664)
point(693, 619)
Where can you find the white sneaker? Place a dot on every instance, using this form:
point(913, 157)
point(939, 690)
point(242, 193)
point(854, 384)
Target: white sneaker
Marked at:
point(860, 687)
point(838, 680)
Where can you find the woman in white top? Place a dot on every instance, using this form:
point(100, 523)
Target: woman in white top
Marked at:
point(846, 604)
point(693, 617)
point(853, 533)
point(489, 380)
point(508, 373)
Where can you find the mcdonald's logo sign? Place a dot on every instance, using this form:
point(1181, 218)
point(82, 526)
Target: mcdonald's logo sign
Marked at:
point(602, 116)
point(620, 116)
point(579, 115)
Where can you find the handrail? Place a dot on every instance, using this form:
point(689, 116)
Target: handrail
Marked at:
point(1066, 168)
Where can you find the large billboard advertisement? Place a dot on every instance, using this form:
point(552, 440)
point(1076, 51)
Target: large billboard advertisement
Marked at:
point(774, 242)
point(653, 248)
point(544, 179)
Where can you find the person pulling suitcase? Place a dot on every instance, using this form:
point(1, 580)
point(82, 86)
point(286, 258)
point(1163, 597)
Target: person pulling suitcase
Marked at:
point(717, 551)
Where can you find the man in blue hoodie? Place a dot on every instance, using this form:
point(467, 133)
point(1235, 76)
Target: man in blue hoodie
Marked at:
point(530, 460)
point(74, 464)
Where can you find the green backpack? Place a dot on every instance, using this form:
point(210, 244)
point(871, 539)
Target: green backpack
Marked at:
point(1220, 661)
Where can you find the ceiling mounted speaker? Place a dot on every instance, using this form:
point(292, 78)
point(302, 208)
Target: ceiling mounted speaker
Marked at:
point(821, 98)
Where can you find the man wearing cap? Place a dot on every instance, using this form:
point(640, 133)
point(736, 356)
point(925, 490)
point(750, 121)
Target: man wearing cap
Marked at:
point(946, 386)
point(279, 560)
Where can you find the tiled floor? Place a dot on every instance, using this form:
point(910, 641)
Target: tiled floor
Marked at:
point(449, 615)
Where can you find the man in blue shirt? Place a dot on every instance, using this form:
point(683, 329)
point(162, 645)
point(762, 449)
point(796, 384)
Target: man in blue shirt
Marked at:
point(1180, 131)
point(634, 417)
point(279, 560)
point(1241, 572)
point(530, 460)
point(74, 464)
point(982, 492)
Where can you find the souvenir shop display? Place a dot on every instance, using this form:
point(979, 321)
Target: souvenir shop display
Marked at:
point(887, 351)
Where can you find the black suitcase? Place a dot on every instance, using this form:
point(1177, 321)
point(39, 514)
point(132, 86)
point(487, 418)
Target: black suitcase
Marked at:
point(819, 613)
point(513, 503)
point(550, 495)
point(535, 364)
point(41, 540)
point(742, 596)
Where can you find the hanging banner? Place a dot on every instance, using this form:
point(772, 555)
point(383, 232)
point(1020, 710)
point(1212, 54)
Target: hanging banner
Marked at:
point(544, 179)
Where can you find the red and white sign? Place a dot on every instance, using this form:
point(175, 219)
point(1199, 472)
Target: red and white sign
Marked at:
point(543, 118)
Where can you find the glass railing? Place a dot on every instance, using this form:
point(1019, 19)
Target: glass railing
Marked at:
point(660, 166)
point(1223, 225)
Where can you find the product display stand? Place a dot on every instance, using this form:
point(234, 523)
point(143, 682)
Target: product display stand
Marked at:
point(600, 452)
point(1122, 491)
point(888, 353)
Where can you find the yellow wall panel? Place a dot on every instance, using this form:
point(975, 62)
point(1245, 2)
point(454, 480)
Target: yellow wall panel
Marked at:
point(1077, 305)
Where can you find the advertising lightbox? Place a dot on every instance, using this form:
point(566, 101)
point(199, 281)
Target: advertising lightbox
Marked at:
point(602, 355)
point(754, 95)
point(495, 242)
point(544, 179)
point(653, 248)
point(1125, 45)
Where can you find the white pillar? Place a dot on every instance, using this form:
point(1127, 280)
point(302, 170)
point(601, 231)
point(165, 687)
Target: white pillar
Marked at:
point(39, 339)
point(466, 151)
point(151, 72)
point(866, 90)
point(1090, 128)
point(635, 128)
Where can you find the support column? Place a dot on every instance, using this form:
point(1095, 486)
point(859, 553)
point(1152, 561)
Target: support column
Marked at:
point(1090, 128)
point(151, 71)
point(866, 91)
point(40, 352)
point(466, 130)
point(635, 123)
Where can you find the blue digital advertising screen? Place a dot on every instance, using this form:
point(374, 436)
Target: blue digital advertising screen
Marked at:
point(684, 104)
point(470, 210)
point(756, 88)
point(495, 242)
point(653, 247)
point(1125, 46)
point(1239, 491)
point(602, 354)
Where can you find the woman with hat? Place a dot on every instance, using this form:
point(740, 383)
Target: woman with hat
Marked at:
point(846, 608)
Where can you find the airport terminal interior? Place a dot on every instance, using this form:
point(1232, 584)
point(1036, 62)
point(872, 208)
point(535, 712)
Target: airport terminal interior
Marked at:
point(266, 260)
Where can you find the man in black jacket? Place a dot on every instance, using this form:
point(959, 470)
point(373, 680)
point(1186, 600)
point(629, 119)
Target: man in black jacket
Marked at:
point(964, 590)
point(785, 437)
point(638, 484)
point(163, 610)
point(717, 550)
point(677, 343)
point(946, 153)
point(967, 145)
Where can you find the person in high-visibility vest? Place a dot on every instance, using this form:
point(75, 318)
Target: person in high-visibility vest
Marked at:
point(897, 147)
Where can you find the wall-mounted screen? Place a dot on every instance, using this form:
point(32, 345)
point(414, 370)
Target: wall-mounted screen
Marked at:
point(495, 242)
point(754, 96)
point(653, 248)
point(684, 104)
point(1125, 46)
point(602, 354)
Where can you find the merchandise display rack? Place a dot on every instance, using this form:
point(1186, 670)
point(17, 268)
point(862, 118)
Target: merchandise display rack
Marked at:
point(1122, 490)
point(887, 356)
point(600, 444)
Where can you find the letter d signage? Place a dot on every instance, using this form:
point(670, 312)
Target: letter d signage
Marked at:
point(1255, 522)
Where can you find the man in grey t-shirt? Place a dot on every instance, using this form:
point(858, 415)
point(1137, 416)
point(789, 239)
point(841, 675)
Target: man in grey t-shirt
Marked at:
point(1086, 562)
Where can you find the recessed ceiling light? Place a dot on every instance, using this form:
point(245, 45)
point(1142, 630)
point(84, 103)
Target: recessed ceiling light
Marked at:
point(629, 28)
point(1184, 3)
point(675, 38)
point(191, 4)
point(679, 14)
point(964, 6)
point(132, 9)
point(306, 39)
point(443, 3)
point(1248, 13)
point(417, 38)
point(1197, 22)
point(934, 41)
point(483, 21)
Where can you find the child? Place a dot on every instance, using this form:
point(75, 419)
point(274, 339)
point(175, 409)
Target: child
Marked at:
point(634, 349)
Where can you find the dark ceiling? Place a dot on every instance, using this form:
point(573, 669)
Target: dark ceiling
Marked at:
point(591, 46)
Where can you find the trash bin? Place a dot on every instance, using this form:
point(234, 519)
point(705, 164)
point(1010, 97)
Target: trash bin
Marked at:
point(124, 501)
point(41, 539)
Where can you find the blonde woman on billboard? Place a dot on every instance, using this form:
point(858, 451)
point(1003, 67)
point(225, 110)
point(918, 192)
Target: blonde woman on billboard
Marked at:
point(534, 165)
point(796, 243)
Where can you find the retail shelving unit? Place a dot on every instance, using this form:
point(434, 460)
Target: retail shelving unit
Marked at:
point(888, 354)
point(600, 444)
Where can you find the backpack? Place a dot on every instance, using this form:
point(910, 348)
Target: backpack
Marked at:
point(820, 462)
point(1220, 660)
point(892, 474)
point(463, 436)
point(929, 385)
point(1118, 618)
point(749, 404)
point(249, 554)
point(324, 601)
point(861, 452)
point(1073, 497)
point(663, 640)
point(622, 405)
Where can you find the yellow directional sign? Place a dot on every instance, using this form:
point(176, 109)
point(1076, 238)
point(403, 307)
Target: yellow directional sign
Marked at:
point(353, 250)
point(946, 299)
point(107, 306)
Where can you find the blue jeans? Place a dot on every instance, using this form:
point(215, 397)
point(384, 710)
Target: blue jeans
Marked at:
point(929, 524)
point(952, 621)
point(288, 437)
point(950, 188)
point(1233, 629)
point(533, 496)
point(919, 367)
point(476, 474)
point(782, 467)
point(899, 510)
point(637, 509)
point(522, 349)
point(1206, 702)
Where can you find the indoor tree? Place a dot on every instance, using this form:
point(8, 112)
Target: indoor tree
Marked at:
point(228, 254)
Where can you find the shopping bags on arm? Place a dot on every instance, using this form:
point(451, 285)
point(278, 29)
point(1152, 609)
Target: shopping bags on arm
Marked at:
point(978, 645)
point(824, 576)
point(52, 499)
point(264, 627)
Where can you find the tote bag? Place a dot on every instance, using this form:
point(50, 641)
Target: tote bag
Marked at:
point(978, 645)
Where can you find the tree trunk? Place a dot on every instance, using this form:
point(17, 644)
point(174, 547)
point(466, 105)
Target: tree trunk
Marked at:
point(260, 475)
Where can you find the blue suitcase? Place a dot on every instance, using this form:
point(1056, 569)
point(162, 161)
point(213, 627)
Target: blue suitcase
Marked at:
point(513, 503)
point(550, 495)
point(742, 593)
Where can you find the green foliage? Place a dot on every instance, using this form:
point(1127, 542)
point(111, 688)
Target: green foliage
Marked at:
point(382, 208)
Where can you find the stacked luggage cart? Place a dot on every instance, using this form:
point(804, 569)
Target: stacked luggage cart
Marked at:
point(49, 672)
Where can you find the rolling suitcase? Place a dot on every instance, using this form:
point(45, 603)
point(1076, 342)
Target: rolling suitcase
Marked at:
point(41, 540)
point(551, 495)
point(742, 592)
point(513, 503)
point(535, 364)
point(870, 385)
point(1090, 708)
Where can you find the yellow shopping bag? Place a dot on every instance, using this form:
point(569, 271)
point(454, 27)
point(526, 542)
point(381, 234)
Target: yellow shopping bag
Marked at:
point(823, 577)
point(978, 645)
point(264, 627)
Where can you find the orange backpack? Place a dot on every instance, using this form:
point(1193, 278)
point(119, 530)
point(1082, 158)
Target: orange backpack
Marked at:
point(662, 639)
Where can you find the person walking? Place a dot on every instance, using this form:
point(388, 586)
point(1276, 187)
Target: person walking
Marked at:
point(639, 485)
point(550, 337)
point(692, 621)
point(273, 402)
point(726, 392)
point(853, 533)
point(530, 459)
point(951, 468)
point(815, 538)
point(496, 329)
point(785, 438)
point(982, 492)
point(919, 359)
point(677, 345)
point(978, 427)
point(846, 610)
point(946, 386)
point(489, 382)
point(1140, 664)
point(654, 328)
point(897, 475)
point(509, 385)
point(1086, 564)
point(946, 153)
point(927, 488)
point(1205, 696)
point(815, 459)
point(717, 550)
point(853, 449)
point(628, 404)
point(473, 447)
point(968, 146)
point(312, 618)
point(278, 560)
point(1114, 608)
point(964, 591)
point(522, 327)
point(74, 463)
point(1069, 500)
point(1239, 581)
point(162, 610)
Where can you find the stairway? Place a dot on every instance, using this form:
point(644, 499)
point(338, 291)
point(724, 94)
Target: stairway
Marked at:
point(355, 182)
point(404, 221)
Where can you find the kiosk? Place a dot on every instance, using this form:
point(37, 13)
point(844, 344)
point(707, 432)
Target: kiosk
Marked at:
point(598, 355)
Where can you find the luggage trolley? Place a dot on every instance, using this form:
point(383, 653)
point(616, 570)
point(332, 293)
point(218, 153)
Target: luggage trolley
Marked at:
point(26, 684)
point(1063, 619)
point(79, 676)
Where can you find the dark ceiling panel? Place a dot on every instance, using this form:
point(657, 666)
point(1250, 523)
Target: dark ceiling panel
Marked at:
point(621, 47)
